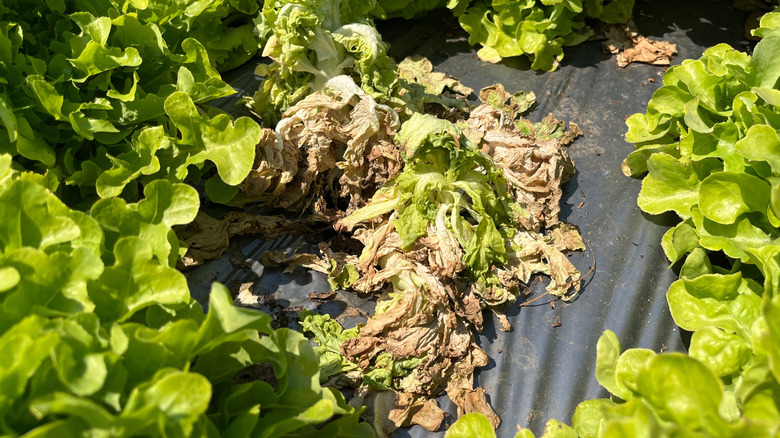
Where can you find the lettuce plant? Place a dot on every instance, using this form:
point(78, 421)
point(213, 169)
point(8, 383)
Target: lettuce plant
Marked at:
point(100, 124)
point(83, 83)
point(101, 336)
point(314, 41)
point(446, 176)
point(709, 145)
point(538, 29)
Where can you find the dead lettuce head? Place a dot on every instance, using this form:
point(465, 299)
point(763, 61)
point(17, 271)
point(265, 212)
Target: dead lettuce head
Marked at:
point(329, 153)
point(417, 344)
point(536, 164)
point(533, 156)
point(484, 215)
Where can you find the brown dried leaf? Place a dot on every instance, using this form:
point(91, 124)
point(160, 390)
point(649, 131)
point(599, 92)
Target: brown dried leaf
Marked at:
point(245, 297)
point(276, 163)
point(290, 262)
point(503, 320)
point(319, 261)
point(629, 46)
point(432, 92)
point(421, 320)
point(461, 391)
point(388, 410)
point(539, 254)
point(475, 401)
point(571, 134)
point(334, 144)
point(565, 237)
point(532, 156)
point(322, 296)
point(435, 260)
point(439, 250)
point(514, 105)
point(426, 413)
point(207, 238)
point(486, 118)
point(419, 70)
point(552, 128)
point(535, 169)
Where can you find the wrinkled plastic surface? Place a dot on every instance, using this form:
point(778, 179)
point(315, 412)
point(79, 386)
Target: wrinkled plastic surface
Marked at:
point(545, 366)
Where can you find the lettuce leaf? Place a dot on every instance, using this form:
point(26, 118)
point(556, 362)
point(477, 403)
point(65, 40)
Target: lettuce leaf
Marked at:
point(445, 174)
point(538, 29)
point(708, 143)
point(104, 337)
point(312, 42)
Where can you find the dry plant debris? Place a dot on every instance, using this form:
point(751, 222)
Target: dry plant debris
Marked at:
point(455, 215)
point(624, 41)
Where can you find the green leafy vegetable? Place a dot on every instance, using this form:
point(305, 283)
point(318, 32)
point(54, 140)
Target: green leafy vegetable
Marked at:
point(536, 29)
point(445, 175)
point(79, 105)
point(312, 42)
point(708, 143)
point(329, 336)
point(471, 425)
point(104, 338)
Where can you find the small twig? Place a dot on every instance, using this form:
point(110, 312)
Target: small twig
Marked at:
point(525, 303)
point(570, 283)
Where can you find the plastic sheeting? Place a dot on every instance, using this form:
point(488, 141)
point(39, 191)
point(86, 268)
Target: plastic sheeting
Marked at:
point(545, 366)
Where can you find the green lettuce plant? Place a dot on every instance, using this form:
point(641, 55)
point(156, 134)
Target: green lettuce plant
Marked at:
point(311, 42)
point(538, 29)
point(101, 336)
point(709, 146)
point(709, 143)
point(100, 124)
point(80, 82)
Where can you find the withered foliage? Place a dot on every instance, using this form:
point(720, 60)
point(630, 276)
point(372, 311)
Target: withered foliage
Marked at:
point(533, 156)
point(327, 154)
point(433, 92)
point(625, 41)
point(327, 158)
point(207, 238)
